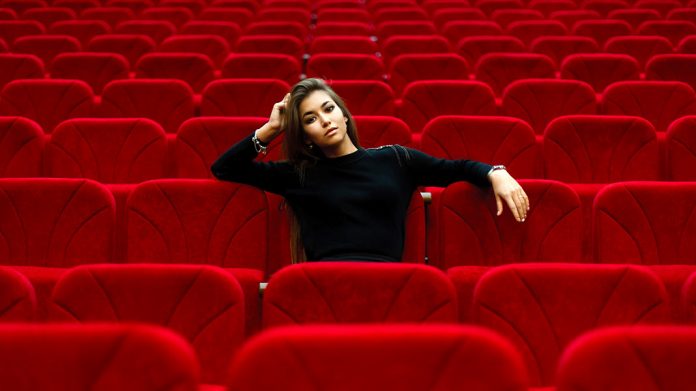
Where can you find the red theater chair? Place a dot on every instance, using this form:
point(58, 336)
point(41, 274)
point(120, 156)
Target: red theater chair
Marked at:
point(640, 47)
point(195, 69)
point(676, 67)
point(634, 16)
point(473, 48)
point(600, 69)
point(242, 97)
point(130, 46)
point(19, 66)
point(345, 67)
point(262, 66)
point(407, 68)
point(498, 70)
point(558, 48)
point(214, 47)
point(95, 69)
point(680, 146)
point(21, 147)
point(82, 30)
point(17, 297)
point(366, 97)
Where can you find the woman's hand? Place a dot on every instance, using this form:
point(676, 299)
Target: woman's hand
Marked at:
point(273, 127)
point(506, 188)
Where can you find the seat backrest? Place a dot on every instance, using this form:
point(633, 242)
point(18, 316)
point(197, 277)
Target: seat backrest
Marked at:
point(473, 48)
point(13, 29)
point(130, 46)
point(295, 29)
point(21, 147)
point(95, 69)
point(49, 15)
point(366, 97)
point(214, 47)
point(456, 30)
point(196, 69)
point(325, 292)
point(407, 68)
point(634, 16)
point(417, 358)
point(558, 48)
point(674, 30)
point(82, 30)
point(645, 223)
point(601, 149)
point(377, 130)
point(202, 303)
point(17, 297)
point(158, 30)
point(345, 67)
point(541, 308)
point(19, 66)
point(680, 150)
point(111, 15)
point(676, 67)
point(229, 31)
point(262, 66)
point(600, 69)
point(529, 30)
point(107, 356)
point(640, 47)
point(601, 29)
point(499, 70)
point(413, 44)
point(242, 97)
point(46, 47)
point(279, 44)
point(55, 222)
point(343, 44)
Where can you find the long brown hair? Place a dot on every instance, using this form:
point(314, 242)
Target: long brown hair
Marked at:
point(298, 152)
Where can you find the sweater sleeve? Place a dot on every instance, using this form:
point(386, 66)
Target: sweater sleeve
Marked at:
point(427, 170)
point(237, 164)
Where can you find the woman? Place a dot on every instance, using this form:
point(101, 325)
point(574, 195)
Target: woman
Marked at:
point(350, 203)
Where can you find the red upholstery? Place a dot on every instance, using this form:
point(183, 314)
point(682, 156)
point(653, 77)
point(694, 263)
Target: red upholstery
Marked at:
point(490, 6)
point(413, 44)
point(642, 48)
point(280, 13)
point(167, 102)
point(13, 29)
point(674, 30)
point(8, 14)
point(538, 102)
point(358, 292)
point(77, 5)
point(130, 46)
point(688, 299)
point(343, 44)
point(82, 30)
point(376, 130)
point(634, 16)
point(366, 97)
point(286, 27)
point(19, 66)
point(674, 278)
point(236, 15)
point(158, 30)
point(49, 15)
point(635, 358)
point(214, 47)
point(601, 30)
point(412, 27)
point(541, 308)
point(344, 15)
point(407, 68)
point(196, 69)
point(604, 7)
point(48, 102)
point(95, 69)
point(425, 100)
point(242, 97)
point(46, 47)
point(17, 297)
point(569, 17)
point(662, 7)
point(464, 228)
point(548, 7)
point(176, 15)
point(21, 147)
point(473, 48)
point(111, 15)
point(684, 13)
point(135, 5)
point(529, 30)
point(279, 44)
point(373, 358)
point(202, 303)
point(677, 67)
point(464, 279)
point(646, 223)
point(660, 102)
point(343, 28)
point(456, 30)
point(687, 45)
point(680, 146)
point(444, 16)
point(228, 31)
point(506, 16)
point(197, 221)
point(601, 69)
point(558, 48)
point(114, 150)
point(55, 222)
point(262, 66)
point(499, 140)
point(345, 66)
point(499, 70)
point(106, 356)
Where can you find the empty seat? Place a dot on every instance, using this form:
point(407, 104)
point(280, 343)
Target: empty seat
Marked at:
point(506, 16)
point(17, 297)
point(214, 47)
point(407, 68)
point(642, 48)
point(677, 67)
point(538, 102)
point(49, 15)
point(279, 44)
point(499, 70)
point(529, 30)
point(82, 30)
point(687, 45)
point(444, 16)
point(176, 15)
point(344, 15)
point(197, 70)
point(262, 66)
point(343, 44)
point(20, 6)
point(158, 30)
point(635, 358)
point(55, 222)
point(111, 15)
point(21, 147)
point(674, 30)
point(660, 102)
point(604, 7)
point(283, 14)
point(601, 30)
point(542, 308)
point(397, 13)
point(343, 28)
point(77, 5)
point(600, 69)
point(196, 6)
point(415, 27)
point(48, 102)
point(680, 146)
point(8, 14)
point(410, 44)
point(242, 97)
point(130, 46)
point(46, 47)
point(558, 48)
point(13, 29)
point(409, 358)
point(228, 31)
point(204, 304)
point(547, 7)
point(168, 102)
point(645, 223)
point(570, 17)
point(552, 231)
point(376, 130)
point(135, 5)
point(389, 293)
point(294, 29)
point(634, 16)
point(107, 150)
point(490, 6)
point(366, 97)
point(456, 30)
point(95, 69)
point(19, 66)
point(662, 7)
point(424, 100)
point(108, 356)
point(473, 48)
point(345, 67)
point(236, 15)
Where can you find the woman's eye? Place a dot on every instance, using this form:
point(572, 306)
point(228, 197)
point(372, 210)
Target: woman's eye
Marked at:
point(309, 120)
point(329, 108)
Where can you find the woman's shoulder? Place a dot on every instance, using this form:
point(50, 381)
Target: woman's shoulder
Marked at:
point(395, 152)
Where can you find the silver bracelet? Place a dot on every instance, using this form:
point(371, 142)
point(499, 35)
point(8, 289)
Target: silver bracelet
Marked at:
point(495, 168)
point(259, 146)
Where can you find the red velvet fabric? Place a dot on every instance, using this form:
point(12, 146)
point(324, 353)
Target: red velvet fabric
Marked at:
point(236, 15)
point(229, 31)
point(529, 30)
point(82, 30)
point(358, 292)
point(111, 15)
point(456, 29)
point(571, 16)
point(372, 358)
point(473, 48)
point(642, 48)
point(538, 102)
point(636, 16)
point(196, 69)
point(680, 146)
point(559, 47)
point(158, 30)
point(46, 47)
point(242, 97)
point(21, 147)
point(49, 15)
point(499, 70)
point(130, 46)
point(95, 69)
point(55, 222)
point(636, 358)
point(405, 27)
point(280, 44)
point(48, 102)
point(167, 102)
point(13, 29)
point(465, 279)
point(343, 44)
point(674, 278)
point(406, 68)
point(464, 228)
point(19, 66)
point(175, 15)
point(678, 67)
point(674, 30)
point(17, 298)
point(345, 67)
point(262, 65)
point(202, 303)
point(375, 131)
point(504, 17)
point(198, 221)
point(365, 97)
point(425, 100)
point(95, 357)
point(288, 27)
point(412, 44)
point(442, 17)
point(646, 223)
point(601, 29)
point(541, 308)
point(107, 150)
point(42, 279)
point(600, 69)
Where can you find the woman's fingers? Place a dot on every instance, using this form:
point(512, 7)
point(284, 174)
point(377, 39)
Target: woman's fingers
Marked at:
point(513, 207)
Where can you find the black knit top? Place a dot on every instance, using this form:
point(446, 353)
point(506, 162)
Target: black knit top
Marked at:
point(351, 207)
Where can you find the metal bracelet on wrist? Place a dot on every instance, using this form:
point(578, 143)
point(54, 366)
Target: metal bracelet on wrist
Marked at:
point(259, 146)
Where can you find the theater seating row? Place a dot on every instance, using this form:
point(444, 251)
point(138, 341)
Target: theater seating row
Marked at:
point(539, 308)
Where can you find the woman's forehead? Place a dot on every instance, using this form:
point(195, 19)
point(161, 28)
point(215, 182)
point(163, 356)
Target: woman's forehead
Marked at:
point(314, 100)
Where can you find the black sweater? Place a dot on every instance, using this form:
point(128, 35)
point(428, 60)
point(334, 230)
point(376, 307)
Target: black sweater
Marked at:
point(353, 206)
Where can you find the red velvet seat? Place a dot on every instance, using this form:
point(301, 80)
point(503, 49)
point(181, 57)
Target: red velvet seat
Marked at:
point(473, 48)
point(389, 14)
point(407, 68)
point(634, 16)
point(17, 297)
point(282, 14)
point(504, 17)
point(444, 16)
point(366, 97)
point(676, 67)
point(529, 30)
point(111, 15)
point(294, 29)
point(82, 30)
point(214, 47)
point(262, 66)
point(604, 7)
point(600, 69)
point(242, 97)
point(228, 31)
point(548, 7)
point(662, 7)
point(343, 28)
point(687, 45)
point(601, 29)
point(344, 15)
point(278, 44)
point(413, 44)
point(174, 14)
point(195, 69)
point(456, 30)
point(642, 48)
point(19, 66)
point(77, 5)
point(21, 147)
point(203, 304)
point(674, 30)
point(680, 149)
point(49, 15)
point(343, 44)
point(372, 358)
point(345, 67)
point(236, 15)
point(158, 30)
point(13, 29)
point(46, 47)
point(560, 47)
point(130, 46)
point(499, 70)
point(490, 6)
point(377, 130)
point(569, 17)
point(386, 30)
point(95, 69)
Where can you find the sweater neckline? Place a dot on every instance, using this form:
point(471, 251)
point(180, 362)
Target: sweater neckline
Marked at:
point(345, 159)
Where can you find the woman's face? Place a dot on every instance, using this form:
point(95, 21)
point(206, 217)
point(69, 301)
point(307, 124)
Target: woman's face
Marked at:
point(323, 122)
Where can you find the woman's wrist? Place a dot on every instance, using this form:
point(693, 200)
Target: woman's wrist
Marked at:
point(265, 133)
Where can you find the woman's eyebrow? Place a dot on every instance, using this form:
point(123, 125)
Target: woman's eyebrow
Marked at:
point(322, 106)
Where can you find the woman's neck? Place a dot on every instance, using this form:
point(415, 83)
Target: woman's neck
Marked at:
point(342, 149)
